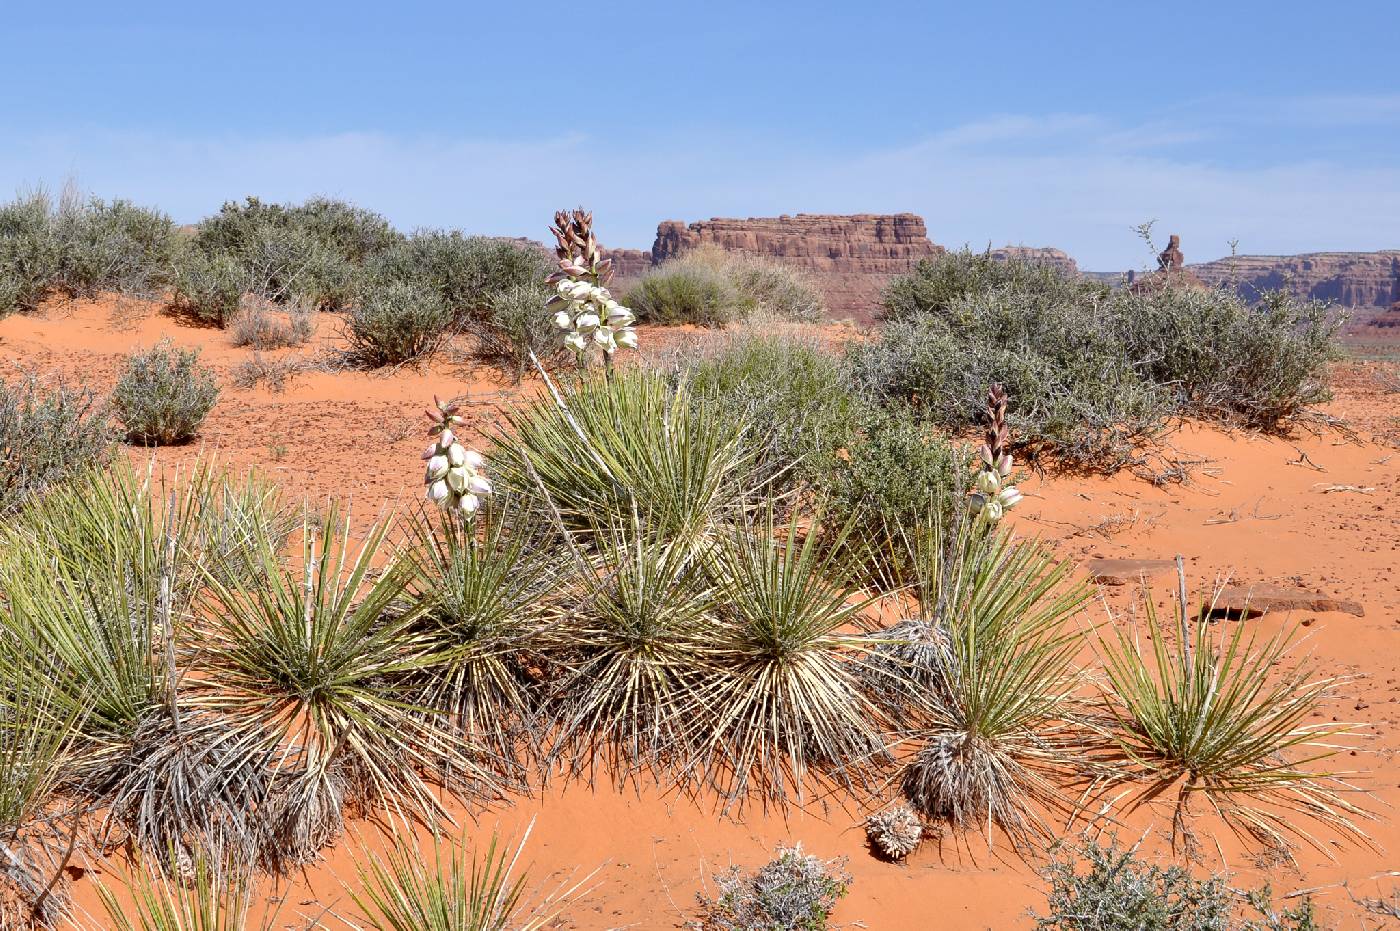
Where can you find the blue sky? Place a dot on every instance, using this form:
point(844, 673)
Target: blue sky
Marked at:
point(1050, 123)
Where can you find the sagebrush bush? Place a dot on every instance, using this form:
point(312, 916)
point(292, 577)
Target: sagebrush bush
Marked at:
point(80, 247)
point(792, 393)
point(514, 325)
point(466, 274)
point(794, 891)
point(210, 286)
point(710, 287)
point(1102, 887)
point(47, 433)
point(1091, 372)
point(393, 323)
point(163, 395)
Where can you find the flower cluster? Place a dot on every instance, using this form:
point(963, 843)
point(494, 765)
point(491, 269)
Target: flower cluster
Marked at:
point(992, 496)
point(582, 306)
point(453, 476)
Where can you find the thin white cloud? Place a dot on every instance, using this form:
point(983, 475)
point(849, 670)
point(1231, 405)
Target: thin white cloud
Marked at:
point(1073, 181)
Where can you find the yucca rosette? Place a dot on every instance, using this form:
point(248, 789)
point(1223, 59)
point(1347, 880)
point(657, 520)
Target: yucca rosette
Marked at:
point(584, 311)
point(993, 495)
point(454, 476)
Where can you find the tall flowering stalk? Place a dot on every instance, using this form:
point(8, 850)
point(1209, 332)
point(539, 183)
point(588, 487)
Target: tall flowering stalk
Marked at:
point(992, 497)
point(454, 478)
point(583, 308)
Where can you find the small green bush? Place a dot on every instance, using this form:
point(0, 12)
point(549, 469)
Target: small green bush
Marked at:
point(517, 324)
point(792, 892)
point(45, 435)
point(393, 323)
point(791, 392)
point(1113, 890)
point(31, 257)
point(467, 274)
point(163, 395)
point(686, 290)
point(711, 287)
point(1091, 372)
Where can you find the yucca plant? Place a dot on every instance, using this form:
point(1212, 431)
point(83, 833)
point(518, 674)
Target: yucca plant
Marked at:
point(994, 724)
point(34, 732)
point(311, 661)
point(634, 643)
point(784, 697)
point(206, 895)
point(1226, 714)
point(629, 444)
point(478, 589)
point(399, 891)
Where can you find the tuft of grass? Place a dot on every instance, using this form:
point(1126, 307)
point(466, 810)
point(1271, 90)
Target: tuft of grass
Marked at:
point(1226, 715)
point(630, 444)
point(261, 328)
point(395, 323)
point(207, 896)
point(479, 591)
point(710, 287)
point(163, 395)
point(310, 662)
point(783, 699)
point(47, 434)
point(985, 676)
point(794, 891)
point(400, 891)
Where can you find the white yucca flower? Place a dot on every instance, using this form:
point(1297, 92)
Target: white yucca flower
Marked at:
point(583, 308)
point(991, 497)
point(454, 476)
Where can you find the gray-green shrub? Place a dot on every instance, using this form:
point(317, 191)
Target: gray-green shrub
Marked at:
point(792, 892)
point(163, 395)
point(516, 324)
point(1106, 888)
point(710, 287)
point(1091, 372)
point(30, 255)
point(45, 435)
point(393, 322)
point(466, 274)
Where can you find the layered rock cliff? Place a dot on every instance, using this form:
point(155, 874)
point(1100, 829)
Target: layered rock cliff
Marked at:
point(1351, 279)
point(851, 258)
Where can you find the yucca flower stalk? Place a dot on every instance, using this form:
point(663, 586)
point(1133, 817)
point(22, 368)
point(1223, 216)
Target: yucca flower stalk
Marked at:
point(454, 478)
point(993, 496)
point(583, 308)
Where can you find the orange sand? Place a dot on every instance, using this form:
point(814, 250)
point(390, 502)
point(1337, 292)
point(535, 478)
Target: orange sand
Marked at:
point(1253, 510)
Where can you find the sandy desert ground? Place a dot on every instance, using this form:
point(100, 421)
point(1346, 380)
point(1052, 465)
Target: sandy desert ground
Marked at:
point(1314, 512)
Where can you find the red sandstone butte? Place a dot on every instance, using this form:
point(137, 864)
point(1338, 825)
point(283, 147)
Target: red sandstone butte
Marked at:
point(851, 258)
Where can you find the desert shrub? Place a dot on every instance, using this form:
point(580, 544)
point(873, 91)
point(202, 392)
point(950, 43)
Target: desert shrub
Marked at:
point(937, 284)
point(983, 676)
point(692, 288)
point(47, 434)
point(163, 395)
point(1227, 715)
point(467, 274)
point(1092, 372)
point(210, 286)
point(263, 328)
point(791, 392)
point(394, 323)
point(31, 256)
point(514, 325)
point(896, 475)
point(792, 892)
point(354, 233)
point(710, 287)
point(629, 445)
point(115, 246)
point(272, 373)
point(80, 247)
point(1102, 887)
